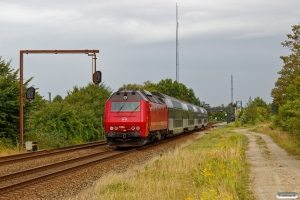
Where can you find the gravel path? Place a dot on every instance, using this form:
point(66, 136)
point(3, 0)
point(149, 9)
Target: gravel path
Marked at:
point(272, 169)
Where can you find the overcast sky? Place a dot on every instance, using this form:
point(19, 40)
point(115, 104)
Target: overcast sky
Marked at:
point(137, 42)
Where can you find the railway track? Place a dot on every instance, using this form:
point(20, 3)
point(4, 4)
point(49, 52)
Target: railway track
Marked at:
point(26, 178)
point(22, 180)
point(45, 153)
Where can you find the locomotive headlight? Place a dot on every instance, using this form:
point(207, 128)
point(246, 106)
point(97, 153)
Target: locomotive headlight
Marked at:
point(111, 128)
point(132, 128)
point(116, 128)
point(137, 128)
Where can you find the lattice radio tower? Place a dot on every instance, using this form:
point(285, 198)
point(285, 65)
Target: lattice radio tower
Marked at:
point(177, 50)
point(231, 89)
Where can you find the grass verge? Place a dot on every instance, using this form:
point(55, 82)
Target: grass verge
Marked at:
point(213, 168)
point(285, 140)
point(263, 146)
point(8, 148)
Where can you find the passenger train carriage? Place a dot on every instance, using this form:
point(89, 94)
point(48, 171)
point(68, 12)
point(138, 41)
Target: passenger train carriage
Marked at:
point(138, 117)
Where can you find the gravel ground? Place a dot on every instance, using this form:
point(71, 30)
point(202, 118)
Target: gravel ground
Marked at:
point(85, 184)
point(12, 168)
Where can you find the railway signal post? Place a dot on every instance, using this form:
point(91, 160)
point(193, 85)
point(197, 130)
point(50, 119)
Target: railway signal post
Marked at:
point(31, 91)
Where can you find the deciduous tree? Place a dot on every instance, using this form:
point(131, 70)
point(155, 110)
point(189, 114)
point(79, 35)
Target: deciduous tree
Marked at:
point(168, 87)
point(78, 118)
point(57, 98)
point(9, 101)
point(177, 90)
point(291, 68)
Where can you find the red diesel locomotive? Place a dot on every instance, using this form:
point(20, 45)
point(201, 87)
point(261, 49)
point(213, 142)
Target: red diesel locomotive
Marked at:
point(137, 117)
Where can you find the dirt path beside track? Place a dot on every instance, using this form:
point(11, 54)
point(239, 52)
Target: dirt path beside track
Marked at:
point(272, 169)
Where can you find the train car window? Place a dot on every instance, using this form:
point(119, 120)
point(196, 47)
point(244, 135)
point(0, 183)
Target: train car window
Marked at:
point(176, 104)
point(161, 101)
point(125, 106)
point(190, 108)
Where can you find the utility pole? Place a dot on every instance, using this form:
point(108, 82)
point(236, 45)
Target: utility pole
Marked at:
point(177, 50)
point(49, 97)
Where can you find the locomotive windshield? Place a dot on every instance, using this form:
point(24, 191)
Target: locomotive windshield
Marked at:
point(125, 106)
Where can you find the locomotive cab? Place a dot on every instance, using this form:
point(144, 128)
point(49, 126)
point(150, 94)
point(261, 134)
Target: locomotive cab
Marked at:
point(124, 121)
point(134, 118)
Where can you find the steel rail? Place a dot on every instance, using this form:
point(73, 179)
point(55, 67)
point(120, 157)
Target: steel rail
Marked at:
point(23, 184)
point(34, 155)
point(5, 190)
point(65, 171)
point(51, 166)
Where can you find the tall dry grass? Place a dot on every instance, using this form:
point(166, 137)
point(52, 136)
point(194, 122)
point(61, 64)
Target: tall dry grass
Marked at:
point(213, 168)
point(10, 151)
point(285, 140)
point(8, 148)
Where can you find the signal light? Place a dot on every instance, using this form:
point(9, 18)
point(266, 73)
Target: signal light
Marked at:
point(97, 76)
point(30, 93)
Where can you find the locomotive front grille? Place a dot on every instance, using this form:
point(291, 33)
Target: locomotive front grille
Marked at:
point(123, 135)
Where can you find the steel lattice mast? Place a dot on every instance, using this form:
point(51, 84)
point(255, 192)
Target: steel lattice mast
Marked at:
point(177, 50)
point(232, 89)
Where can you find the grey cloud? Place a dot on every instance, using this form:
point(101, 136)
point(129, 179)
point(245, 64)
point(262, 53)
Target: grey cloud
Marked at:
point(136, 40)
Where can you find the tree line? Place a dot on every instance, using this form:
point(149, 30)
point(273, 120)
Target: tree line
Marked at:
point(284, 111)
point(286, 93)
point(78, 117)
point(168, 87)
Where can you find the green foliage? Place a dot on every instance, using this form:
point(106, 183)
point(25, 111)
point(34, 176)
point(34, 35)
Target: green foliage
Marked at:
point(147, 85)
point(262, 109)
point(259, 102)
point(273, 109)
point(219, 115)
point(237, 123)
point(92, 96)
point(6, 143)
point(57, 98)
point(256, 110)
point(47, 140)
point(177, 90)
point(250, 113)
point(168, 87)
point(76, 119)
point(286, 93)
point(214, 168)
point(9, 101)
point(289, 117)
point(289, 74)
